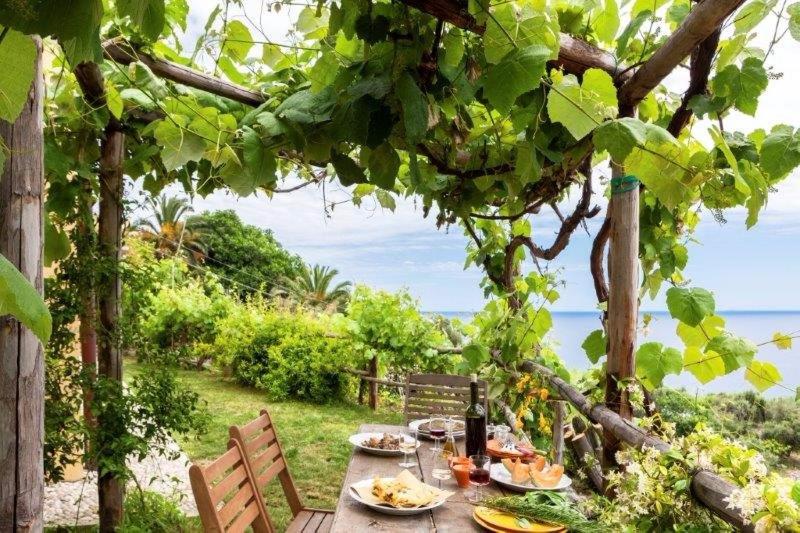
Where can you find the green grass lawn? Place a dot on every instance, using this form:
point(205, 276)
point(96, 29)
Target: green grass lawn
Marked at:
point(314, 437)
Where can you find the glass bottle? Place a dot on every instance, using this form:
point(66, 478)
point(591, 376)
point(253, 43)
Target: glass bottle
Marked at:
point(450, 446)
point(476, 422)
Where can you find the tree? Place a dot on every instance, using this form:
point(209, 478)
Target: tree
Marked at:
point(171, 234)
point(313, 287)
point(248, 259)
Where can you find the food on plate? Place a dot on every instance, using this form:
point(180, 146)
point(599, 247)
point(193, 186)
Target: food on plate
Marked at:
point(385, 442)
point(458, 426)
point(521, 471)
point(405, 491)
point(548, 477)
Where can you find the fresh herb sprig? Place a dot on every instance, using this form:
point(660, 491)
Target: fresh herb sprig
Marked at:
point(546, 507)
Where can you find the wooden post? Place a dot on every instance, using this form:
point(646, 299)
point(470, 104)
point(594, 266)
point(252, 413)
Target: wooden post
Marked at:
point(373, 385)
point(584, 453)
point(558, 431)
point(623, 301)
point(21, 354)
point(112, 150)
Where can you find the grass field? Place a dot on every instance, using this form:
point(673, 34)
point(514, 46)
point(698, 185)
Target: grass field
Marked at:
point(314, 437)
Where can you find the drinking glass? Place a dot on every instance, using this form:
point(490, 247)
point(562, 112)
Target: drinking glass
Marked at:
point(437, 427)
point(441, 467)
point(479, 474)
point(408, 444)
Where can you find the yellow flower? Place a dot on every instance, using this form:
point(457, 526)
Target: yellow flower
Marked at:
point(543, 394)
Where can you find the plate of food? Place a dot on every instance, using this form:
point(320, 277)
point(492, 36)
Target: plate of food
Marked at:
point(423, 427)
point(378, 443)
point(400, 495)
point(523, 477)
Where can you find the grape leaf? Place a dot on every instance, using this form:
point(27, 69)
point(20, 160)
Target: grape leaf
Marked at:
point(595, 345)
point(699, 335)
point(113, 100)
point(519, 72)
point(17, 57)
point(56, 243)
point(690, 306)
point(581, 107)
point(383, 166)
point(415, 107)
point(659, 167)
point(654, 362)
point(762, 375)
point(607, 23)
point(475, 355)
point(508, 30)
point(179, 146)
point(148, 15)
point(782, 341)
point(734, 351)
point(794, 20)
point(742, 87)
point(453, 44)
point(21, 300)
point(348, 170)
point(260, 163)
point(751, 14)
point(237, 41)
point(780, 152)
point(705, 366)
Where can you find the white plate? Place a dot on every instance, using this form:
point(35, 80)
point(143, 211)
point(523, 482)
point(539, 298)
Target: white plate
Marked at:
point(385, 508)
point(499, 473)
point(415, 424)
point(357, 440)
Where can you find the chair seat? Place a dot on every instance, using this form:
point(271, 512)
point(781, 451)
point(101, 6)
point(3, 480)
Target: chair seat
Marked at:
point(311, 521)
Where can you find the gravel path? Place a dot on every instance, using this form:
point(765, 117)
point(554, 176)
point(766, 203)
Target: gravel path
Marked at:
point(75, 503)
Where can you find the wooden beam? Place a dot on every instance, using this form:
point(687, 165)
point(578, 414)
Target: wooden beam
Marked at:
point(122, 53)
point(21, 354)
point(575, 55)
point(704, 19)
point(707, 487)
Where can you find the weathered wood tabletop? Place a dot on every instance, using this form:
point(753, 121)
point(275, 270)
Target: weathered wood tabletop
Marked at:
point(454, 516)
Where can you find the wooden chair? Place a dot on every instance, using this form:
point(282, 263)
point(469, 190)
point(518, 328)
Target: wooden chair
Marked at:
point(264, 456)
point(226, 495)
point(440, 394)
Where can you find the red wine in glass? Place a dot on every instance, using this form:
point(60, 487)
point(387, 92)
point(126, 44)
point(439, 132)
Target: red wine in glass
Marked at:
point(437, 433)
point(479, 476)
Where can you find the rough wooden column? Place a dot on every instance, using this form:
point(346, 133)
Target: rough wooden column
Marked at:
point(373, 385)
point(559, 409)
point(112, 149)
point(623, 302)
point(21, 354)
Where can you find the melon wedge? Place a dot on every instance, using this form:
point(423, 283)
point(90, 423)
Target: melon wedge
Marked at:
point(520, 472)
point(548, 477)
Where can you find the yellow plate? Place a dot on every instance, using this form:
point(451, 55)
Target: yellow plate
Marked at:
point(499, 521)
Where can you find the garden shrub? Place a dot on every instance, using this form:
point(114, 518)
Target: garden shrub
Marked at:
point(289, 355)
point(150, 512)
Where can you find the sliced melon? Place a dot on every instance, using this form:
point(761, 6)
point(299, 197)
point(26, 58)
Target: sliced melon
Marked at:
point(520, 472)
point(547, 477)
point(537, 463)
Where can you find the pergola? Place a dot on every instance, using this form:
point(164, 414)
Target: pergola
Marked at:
point(21, 381)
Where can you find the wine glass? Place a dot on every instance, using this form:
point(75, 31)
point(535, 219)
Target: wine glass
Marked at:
point(437, 430)
point(479, 474)
point(407, 445)
point(441, 467)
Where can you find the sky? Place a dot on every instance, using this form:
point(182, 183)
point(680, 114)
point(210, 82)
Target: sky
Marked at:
point(754, 269)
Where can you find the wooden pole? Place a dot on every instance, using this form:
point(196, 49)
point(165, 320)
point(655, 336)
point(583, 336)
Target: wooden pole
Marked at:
point(21, 354)
point(559, 408)
point(373, 385)
point(112, 149)
point(623, 302)
point(584, 452)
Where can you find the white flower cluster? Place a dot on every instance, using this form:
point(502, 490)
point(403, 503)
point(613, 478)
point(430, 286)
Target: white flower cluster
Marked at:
point(748, 499)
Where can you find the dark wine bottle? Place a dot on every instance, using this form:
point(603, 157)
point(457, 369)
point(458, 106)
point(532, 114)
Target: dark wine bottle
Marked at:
point(476, 422)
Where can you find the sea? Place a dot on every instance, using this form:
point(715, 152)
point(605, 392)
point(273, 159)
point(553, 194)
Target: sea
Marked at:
point(571, 328)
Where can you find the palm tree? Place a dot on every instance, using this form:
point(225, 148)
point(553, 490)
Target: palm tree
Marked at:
point(314, 287)
point(167, 228)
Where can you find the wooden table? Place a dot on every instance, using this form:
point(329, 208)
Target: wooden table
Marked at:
point(454, 516)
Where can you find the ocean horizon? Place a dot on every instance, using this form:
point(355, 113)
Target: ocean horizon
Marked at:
point(570, 328)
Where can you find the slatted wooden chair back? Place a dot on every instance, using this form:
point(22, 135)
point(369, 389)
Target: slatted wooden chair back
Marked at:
point(439, 395)
point(265, 456)
point(226, 495)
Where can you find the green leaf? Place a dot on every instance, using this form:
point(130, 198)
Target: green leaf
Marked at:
point(179, 146)
point(453, 43)
point(324, 71)
point(21, 300)
point(660, 166)
point(780, 152)
point(795, 493)
point(751, 14)
point(619, 137)
point(259, 161)
point(705, 366)
point(654, 362)
point(690, 306)
point(475, 355)
point(595, 345)
point(735, 352)
point(237, 41)
point(782, 341)
point(415, 107)
point(606, 24)
point(385, 199)
point(113, 100)
point(794, 20)
point(509, 29)
point(148, 15)
point(641, 6)
point(348, 170)
point(699, 335)
point(56, 243)
point(18, 60)
point(742, 87)
point(762, 375)
point(519, 72)
point(581, 107)
point(383, 166)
